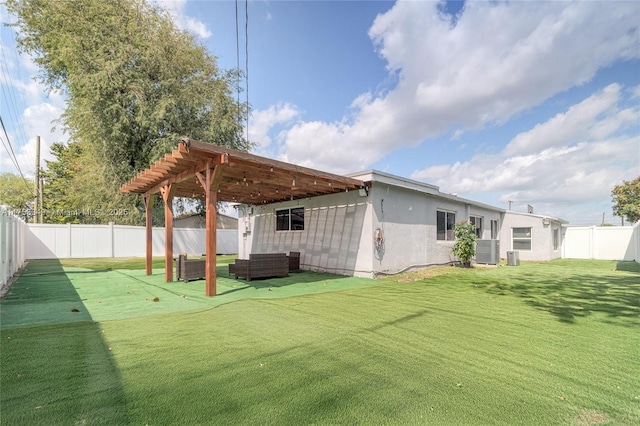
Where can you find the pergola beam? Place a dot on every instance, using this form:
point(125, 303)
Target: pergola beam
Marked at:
point(182, 176)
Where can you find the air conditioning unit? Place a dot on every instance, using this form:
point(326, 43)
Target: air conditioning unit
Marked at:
point(488, 252)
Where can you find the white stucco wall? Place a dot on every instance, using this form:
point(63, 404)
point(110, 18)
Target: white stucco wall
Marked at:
point(409, 220)
point(541, 236)
point(401, 214)
point(336, 237)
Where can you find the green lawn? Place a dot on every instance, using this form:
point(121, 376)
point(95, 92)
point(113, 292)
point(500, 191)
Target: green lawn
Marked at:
point(542, 343)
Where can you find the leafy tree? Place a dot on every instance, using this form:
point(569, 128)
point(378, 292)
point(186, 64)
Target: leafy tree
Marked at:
point(16, 194)
point(61, 189)
point(465, 246)
point(76, 190)
point(134, 84)
point(626, 200)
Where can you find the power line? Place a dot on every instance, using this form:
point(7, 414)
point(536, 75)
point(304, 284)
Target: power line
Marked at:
point(13, 103)
point(237, 55)
point(246, 56)
point(11, 153)
point(14, 121)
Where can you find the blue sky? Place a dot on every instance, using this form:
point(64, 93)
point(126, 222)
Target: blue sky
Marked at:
point(531, 102)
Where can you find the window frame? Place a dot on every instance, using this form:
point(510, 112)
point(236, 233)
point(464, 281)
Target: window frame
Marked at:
point(495, 227)
point(290, 224)
point(556, 239)
point(522, 239)
point(474, 220)
point(449, 225)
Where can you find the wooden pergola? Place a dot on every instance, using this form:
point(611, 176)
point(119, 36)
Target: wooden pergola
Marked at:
point(208, 172)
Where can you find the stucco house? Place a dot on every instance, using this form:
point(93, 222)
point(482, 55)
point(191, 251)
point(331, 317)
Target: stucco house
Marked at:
point(535, 237)
point(393, 225)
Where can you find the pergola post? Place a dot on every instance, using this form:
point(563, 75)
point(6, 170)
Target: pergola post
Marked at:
point(167, 195)
point(210, 182)
point(148, 205)
point(211, 237)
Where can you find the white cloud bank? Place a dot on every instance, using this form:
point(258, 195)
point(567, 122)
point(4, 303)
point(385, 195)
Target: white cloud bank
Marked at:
point(576, 156)
point(497, 60)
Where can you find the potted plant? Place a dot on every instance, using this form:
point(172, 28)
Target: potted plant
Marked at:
point(465, 246)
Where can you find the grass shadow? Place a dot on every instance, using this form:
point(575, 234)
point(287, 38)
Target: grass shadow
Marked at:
point(571, 292)
point(55, 366)
point(43, 294)
point(298, 279)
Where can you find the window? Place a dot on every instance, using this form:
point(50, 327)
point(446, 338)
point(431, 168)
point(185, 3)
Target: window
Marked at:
point(477, 221)
point(521, 239)
point(556, 238)
point(445, 224)
point(290, 219)
point(494, 229)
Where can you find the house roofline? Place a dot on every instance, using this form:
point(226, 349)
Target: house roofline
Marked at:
point(428, 189)
point(382, 177)
point(555, 219)
point(471, 202)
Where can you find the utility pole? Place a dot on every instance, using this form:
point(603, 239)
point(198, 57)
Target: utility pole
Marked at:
point(41, 199)
point(36, 189)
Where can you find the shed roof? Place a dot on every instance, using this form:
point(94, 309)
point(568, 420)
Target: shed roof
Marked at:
point(247, 178)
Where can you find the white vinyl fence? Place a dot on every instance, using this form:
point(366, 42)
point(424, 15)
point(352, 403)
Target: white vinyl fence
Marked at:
point(602, 242)
point(51, 241)
point(12, 248)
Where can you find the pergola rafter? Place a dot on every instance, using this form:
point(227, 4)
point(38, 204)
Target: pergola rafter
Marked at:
point(212, 173)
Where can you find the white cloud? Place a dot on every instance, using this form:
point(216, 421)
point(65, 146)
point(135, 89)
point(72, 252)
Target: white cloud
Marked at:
point(593, 118)
point(263, 121)
point(574, 157)
point(497, 60)
point(457, 134)
point(177, 10)
point(37, 121)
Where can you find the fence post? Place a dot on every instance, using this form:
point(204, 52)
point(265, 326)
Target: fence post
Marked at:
point(12, 244)
point(111, 239)
point(636, 238)
point(69, 240)
point(4, 267)
point(21, 243)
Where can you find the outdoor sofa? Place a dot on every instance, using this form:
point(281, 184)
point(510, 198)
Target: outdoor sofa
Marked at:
point(265, 265)
point(187, 269)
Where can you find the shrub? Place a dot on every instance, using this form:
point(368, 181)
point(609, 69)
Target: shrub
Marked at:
point(465, 245)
